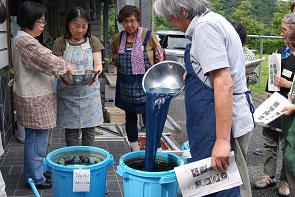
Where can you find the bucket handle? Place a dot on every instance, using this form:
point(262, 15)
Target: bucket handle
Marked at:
point(111, 162)
point(122, 172)
point(167, 179)
point(45, 166)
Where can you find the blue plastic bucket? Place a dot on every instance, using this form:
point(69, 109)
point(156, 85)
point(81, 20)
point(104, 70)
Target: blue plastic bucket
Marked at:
point(148, 184)
point(62, 176)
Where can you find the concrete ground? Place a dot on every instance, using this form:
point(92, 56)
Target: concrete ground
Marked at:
point(11, 162)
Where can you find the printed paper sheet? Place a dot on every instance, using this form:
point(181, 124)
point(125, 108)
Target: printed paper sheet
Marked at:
point(271, 109)
point(199, 178)
point(274, 69)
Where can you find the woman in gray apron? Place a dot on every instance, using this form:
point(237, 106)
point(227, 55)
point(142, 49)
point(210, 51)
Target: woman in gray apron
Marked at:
point(79, 107)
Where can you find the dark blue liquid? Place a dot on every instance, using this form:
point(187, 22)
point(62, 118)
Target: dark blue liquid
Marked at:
point(158, 100)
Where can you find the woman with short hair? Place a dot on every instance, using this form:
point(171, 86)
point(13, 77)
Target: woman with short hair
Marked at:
point(34, 89)
point(134, 51)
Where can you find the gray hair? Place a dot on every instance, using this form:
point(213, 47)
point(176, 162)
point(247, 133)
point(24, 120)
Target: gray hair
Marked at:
point(289, 19)
point(173, 8)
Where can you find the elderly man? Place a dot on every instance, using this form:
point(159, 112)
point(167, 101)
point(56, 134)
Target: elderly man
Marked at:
point(217, 103)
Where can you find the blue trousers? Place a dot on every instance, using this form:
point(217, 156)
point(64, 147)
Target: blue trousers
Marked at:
point(35, 148)
point(131, 125)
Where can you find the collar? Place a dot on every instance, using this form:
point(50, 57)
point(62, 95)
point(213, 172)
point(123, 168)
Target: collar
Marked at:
point(192, 26)
point(286, 53)
point(22, 33)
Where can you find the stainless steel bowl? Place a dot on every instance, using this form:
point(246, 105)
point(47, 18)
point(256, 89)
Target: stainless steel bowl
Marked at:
point(82, 77)
point(166, 74)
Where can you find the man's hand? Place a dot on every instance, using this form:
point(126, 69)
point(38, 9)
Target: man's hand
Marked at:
point(220, 155)
point(283, 83)
point(184, 75)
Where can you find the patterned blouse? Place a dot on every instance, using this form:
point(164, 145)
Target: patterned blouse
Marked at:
point(250, 56)
point(37, 112)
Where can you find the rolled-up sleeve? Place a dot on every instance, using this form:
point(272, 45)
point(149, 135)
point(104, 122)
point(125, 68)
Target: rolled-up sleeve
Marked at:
point(37, 57)
point(210, 50)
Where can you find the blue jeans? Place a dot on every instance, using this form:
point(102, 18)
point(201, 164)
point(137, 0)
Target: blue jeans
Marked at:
point(36, 143)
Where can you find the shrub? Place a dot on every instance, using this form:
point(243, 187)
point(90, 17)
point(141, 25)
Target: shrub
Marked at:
point(269, 45)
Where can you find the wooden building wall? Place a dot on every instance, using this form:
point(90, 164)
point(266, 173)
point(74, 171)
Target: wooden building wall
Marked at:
point(6, 112)
point(3, 46)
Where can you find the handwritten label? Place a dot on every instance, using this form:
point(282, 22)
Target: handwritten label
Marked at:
point(81, 181)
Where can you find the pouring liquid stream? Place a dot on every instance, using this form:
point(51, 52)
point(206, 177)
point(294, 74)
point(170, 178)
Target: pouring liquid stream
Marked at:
point(158, 101)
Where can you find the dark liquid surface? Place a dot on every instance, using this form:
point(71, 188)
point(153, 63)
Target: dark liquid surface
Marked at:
point(159, 166)
point(78, 158)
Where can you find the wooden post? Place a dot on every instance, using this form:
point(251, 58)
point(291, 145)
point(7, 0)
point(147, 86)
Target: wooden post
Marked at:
point(153, 16)
point(106, 28)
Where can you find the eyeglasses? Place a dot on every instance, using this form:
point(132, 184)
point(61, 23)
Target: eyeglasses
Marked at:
point(41, 23)
point(132, 21)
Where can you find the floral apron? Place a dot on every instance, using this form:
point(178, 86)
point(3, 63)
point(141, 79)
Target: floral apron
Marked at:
point(79, 106)
point(130, 95)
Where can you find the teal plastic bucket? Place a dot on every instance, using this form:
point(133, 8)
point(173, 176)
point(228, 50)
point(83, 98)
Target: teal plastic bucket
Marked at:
point(62, 176)
point(139, 183)
point(185, 147)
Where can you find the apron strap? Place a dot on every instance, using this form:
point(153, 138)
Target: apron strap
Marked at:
point(252, 109)
point(67, 43)
point(147, 37)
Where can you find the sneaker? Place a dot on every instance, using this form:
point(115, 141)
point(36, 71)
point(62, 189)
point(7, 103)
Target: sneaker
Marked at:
point(134, 146)
point(284, 189)
point(258, 151)
point(45, 185)
point(265, 182)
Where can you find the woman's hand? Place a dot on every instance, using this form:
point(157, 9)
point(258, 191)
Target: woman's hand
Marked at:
point(266, 95)
point(99, 71)
point(70, 69)
point(61, 79)
point(289, 110)
point(283, 83)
